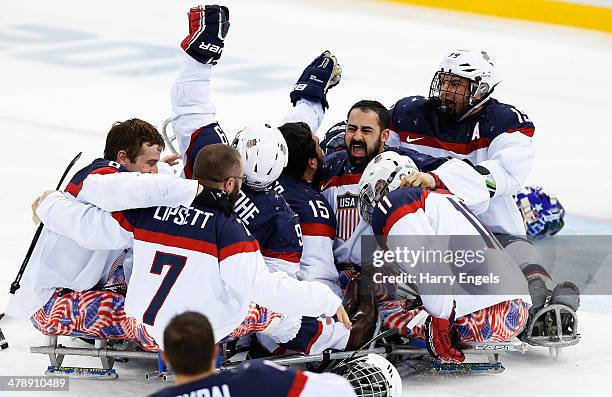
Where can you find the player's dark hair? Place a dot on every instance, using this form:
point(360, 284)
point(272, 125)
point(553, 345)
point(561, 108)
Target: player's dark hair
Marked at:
point(129, 135)
point(189, 343)
point(216, 163)
point(373, 106)
point(302, 148)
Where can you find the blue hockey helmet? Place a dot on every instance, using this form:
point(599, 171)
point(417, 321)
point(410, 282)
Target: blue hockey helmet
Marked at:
point(541, 211)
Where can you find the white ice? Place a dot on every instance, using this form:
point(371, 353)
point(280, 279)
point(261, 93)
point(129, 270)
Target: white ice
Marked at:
point(69, 69)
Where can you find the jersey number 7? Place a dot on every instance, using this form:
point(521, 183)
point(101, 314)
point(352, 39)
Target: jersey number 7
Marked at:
point(176, 264)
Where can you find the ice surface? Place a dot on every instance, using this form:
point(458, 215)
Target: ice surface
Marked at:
point(69, 69)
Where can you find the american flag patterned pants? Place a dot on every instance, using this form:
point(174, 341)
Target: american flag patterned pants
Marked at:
point(100, 315)
point(497, 323)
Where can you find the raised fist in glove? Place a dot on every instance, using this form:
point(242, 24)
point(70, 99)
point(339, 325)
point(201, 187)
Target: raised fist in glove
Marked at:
point(207, 29)
point(322, 74)
point(439, 340)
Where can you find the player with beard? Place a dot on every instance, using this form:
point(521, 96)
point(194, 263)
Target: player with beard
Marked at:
point(367, 130)
point(461, 119)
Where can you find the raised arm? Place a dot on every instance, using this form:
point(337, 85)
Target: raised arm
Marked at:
point(194, 115)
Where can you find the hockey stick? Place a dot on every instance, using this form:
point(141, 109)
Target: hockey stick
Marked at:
point(383, 334)
point(15, 285)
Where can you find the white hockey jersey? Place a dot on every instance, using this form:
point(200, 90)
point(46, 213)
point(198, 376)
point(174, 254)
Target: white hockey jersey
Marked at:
point(411, 217)
point(60, 262)
point(187, 258)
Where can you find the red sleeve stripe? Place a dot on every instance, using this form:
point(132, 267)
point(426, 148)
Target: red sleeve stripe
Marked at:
point(298, 384)
point(238, 248)
point(293, 257)
point(176, 241)
point(459, 148)
point(525, 131)
point(405, 209)
point(318, 229)
point(346, 179)
point(314, 338)
point(123, 221)
point(74, 189)
point(188, 171)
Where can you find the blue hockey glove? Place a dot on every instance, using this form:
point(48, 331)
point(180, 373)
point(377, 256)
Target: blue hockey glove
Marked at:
point(322, 74)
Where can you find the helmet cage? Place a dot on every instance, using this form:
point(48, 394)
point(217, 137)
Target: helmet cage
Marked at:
point(468, 101)
point(370, 195)
point(366, 379)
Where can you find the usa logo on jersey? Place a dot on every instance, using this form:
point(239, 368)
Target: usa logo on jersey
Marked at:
point(347, 215)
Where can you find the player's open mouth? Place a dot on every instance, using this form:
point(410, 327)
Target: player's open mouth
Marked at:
point(358, 149)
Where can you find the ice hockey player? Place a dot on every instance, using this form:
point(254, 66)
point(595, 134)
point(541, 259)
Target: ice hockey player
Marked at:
point(317, 220)
point(366, 133)
point(263, 210)
point(460, 119)
point(398, 217)
point(93, 279)
point(189, 347)
point(183, 238)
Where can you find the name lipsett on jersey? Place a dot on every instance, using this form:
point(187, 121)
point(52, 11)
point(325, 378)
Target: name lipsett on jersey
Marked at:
point(183, 216)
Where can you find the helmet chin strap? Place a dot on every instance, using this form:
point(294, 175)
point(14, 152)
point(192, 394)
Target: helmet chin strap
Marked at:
point(478, 104)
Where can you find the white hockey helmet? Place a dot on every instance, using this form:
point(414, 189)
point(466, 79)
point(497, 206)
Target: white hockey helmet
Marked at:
point(475, 66)
point(264, 154)
point(372, 376)
point(382, 175)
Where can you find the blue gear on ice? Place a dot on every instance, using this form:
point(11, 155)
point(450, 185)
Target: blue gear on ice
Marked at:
point(542, 212)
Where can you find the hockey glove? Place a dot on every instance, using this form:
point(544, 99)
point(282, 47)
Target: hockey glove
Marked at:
point(318, 77)
point(207, 29)
point(439, 340)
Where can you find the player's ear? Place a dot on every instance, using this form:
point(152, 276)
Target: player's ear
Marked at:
point(313, 163)
point(122, 157)
point(228, 184)
point(384, 135)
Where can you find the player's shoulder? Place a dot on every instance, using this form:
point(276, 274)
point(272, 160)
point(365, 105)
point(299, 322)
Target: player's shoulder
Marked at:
point(404, 151)
point(275, 380)
point(395, 204)
point(257, 206)
point(423, 161)
point(309, 205)
point(408, 108)
point(502, 117)
point(98, 166)
point(295, 191)
point(338, 171)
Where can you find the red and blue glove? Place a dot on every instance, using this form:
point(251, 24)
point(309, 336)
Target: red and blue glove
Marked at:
point(208, 27)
